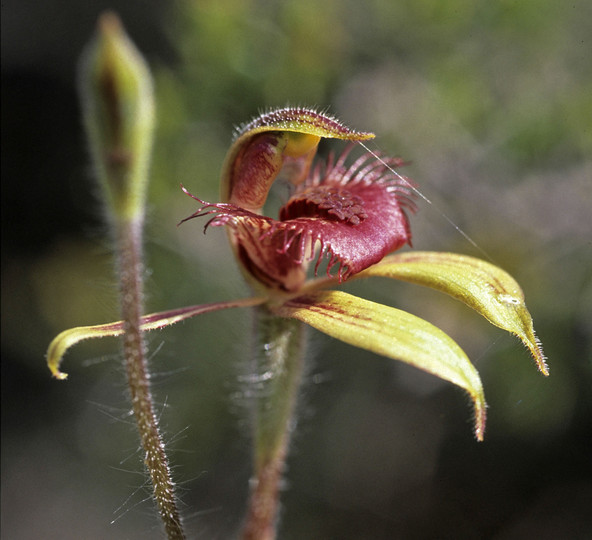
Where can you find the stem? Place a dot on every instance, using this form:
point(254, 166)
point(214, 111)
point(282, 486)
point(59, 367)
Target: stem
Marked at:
point(279, 360)
point(155, 459)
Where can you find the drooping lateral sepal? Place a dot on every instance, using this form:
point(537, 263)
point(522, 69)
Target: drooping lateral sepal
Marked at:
point(262, 147)
point(392, 333)
point(486, 288)
point(66, 339)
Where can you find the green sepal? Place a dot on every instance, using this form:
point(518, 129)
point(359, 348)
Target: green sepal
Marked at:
point(392, 333)
point(486, 288)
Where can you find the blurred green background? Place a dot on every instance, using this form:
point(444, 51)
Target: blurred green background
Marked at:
point(492, 104)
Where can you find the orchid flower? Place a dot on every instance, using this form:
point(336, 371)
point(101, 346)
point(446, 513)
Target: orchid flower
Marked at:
point(352, 217)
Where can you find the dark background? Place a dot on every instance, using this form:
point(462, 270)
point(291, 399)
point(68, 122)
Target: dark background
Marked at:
point(492, 103)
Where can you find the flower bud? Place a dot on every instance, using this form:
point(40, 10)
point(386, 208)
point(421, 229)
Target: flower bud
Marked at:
point(118, 110)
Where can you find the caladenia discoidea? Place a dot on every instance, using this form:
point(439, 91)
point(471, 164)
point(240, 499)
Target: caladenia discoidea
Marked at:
point(351, 217)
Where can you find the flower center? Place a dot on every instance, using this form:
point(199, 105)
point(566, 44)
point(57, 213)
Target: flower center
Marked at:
point(333, 203)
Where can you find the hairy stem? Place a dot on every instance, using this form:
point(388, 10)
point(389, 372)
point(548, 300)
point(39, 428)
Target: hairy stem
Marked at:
point(279, 360)
point(155, 459)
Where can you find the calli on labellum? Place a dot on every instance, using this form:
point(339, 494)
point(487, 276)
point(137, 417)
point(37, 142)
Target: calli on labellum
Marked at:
point(355, 216)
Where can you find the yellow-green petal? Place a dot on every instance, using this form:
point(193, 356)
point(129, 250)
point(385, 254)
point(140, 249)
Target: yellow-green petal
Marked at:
point(63, 341)
point(392, 333)
point(486, 288)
